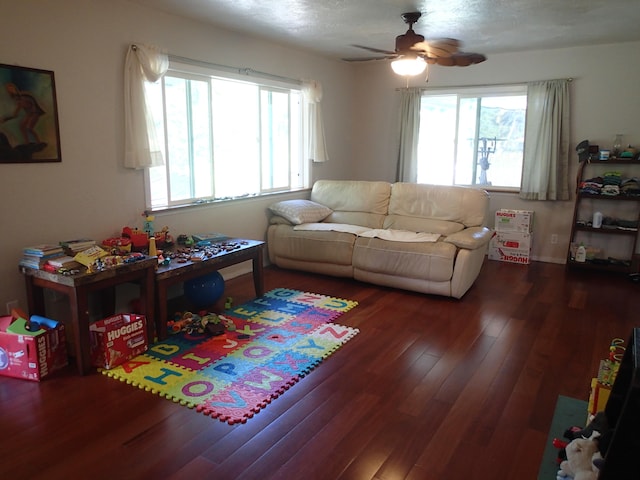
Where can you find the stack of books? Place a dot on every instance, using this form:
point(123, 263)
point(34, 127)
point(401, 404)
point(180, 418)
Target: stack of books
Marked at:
point(37, 256)
point(73, 247)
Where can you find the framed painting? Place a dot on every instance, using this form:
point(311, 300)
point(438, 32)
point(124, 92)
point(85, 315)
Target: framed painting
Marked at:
point(29, 130)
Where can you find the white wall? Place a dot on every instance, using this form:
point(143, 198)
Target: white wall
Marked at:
point(90, 194)
point(605, 98)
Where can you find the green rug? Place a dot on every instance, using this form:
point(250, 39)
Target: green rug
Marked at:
point(275, 340)
point(569, 412)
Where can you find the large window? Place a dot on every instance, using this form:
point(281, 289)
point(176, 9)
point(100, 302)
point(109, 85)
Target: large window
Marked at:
point(473, 137)
point(224, 138)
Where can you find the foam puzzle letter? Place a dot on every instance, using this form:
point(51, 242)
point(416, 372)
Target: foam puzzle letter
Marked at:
point(333, 332)
point(196, 358)
point(266, 382)
point(160, 380)
point(226, 368)
point(205, 389)
point(130, 365)
point(164, 349)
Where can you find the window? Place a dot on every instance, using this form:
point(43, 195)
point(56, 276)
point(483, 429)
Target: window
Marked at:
point(224, 137)
point(473, 137)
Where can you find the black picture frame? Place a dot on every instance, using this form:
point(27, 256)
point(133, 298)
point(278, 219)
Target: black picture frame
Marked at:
point(29, 129)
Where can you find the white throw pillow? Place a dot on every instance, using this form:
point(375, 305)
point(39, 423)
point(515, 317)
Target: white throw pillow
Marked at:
point(301, 211)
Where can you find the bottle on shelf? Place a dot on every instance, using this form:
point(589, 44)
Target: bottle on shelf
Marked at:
point(617, 145)
point(597, 220)
point(581, 254)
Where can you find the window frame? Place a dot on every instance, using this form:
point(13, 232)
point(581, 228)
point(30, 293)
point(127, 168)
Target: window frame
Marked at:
point(298, 169)
point(480, 91)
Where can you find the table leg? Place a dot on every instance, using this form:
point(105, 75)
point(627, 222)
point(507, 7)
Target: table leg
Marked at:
point(147, 285)
point(79, 304)
point(35, 297)
point(258, 272)
point(161, 310)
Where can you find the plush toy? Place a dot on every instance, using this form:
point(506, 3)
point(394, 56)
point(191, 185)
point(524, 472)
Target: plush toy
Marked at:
point(579, 463)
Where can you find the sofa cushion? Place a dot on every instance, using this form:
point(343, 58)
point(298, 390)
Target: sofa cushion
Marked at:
point(353, 201)
point(465, 205)
point(299, 211)
point(433, 261)
point(311, 246)
point(417, 224)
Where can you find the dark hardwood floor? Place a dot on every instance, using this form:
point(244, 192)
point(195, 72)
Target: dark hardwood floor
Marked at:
point(431, 388)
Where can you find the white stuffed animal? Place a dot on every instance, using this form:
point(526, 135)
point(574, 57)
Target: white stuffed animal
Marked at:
point(579, 463)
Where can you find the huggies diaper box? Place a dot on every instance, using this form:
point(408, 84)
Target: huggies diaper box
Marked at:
point(116, 339)
point(31, 349)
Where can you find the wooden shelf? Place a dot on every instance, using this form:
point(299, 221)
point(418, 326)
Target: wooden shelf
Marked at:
point(617, 198)
point(622, 249)
point(605, 267)
point(606, 231)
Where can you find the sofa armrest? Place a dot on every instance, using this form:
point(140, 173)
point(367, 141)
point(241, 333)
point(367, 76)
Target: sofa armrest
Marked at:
point(470, 238)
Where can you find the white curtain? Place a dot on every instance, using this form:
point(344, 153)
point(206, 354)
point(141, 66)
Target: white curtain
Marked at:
point(407, 168)
point(316, 146)
point(143, 64)
point(545, 173)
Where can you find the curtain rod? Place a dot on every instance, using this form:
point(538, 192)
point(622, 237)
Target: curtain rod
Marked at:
point(446, 87)
point(241, 71)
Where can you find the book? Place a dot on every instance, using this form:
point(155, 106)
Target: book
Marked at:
point(43, 250)
point(90, 255)
point(73, 247)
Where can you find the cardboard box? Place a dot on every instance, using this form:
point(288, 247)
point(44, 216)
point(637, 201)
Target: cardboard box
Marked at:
point(512, 247)
point(514, 220)
point(32, 356)
point(116, 339)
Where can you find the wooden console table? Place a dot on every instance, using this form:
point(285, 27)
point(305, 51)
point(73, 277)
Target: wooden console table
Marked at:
point(77, 288)
point(176, 272)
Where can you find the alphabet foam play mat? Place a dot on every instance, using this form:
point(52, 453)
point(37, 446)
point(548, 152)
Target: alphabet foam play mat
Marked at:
point(269, 344)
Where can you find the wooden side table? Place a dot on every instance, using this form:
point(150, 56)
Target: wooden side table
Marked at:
point(176, 272)
point(77, 288)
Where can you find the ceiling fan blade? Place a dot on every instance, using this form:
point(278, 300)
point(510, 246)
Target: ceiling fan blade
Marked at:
point(460, 59)
point(371, 49)
point(437, 48)
point(367, 59)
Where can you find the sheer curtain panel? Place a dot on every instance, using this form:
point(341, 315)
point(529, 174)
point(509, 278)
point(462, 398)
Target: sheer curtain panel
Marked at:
point(545, 173)
point(316, 147)
point(142, 64)
point(407, 168)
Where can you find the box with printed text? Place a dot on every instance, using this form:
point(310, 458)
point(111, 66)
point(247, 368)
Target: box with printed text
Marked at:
point(116, 339)
point(514, 220)
point(512, 247)
point(31, 355)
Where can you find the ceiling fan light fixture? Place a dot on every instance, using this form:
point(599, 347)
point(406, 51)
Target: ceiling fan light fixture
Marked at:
point(409, 66)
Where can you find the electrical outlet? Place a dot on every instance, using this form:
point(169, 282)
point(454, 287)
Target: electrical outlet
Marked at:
point(11, 305)
point(554, 238)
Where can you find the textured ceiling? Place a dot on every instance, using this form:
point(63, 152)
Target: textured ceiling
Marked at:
point(330, 27)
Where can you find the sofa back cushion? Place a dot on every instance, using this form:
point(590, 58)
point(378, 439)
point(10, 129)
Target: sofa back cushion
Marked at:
point(438, 207)
point(354, 202)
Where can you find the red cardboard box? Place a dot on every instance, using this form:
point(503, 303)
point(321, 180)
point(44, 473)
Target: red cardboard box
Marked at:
point(31, 356)
point(118, 338)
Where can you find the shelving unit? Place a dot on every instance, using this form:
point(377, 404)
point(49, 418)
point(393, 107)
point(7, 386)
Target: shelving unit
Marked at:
point(620, 245)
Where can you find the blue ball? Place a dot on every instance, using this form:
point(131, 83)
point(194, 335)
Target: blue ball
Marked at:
point(204, 291)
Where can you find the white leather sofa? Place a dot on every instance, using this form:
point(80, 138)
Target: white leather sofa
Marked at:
point(424, 238)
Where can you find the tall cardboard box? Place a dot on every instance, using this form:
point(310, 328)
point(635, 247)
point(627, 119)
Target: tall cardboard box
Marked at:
point(512, 247)
point(116, 339)
point(31, 356)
